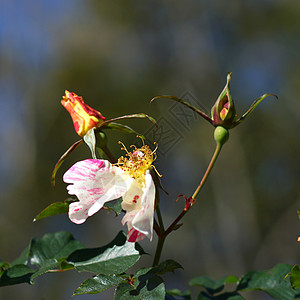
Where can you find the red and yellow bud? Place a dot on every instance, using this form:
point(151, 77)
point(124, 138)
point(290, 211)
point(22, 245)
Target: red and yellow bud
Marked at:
point(223, 112)
point(84, 117)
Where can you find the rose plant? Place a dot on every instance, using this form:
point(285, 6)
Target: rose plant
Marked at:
point(130, 185)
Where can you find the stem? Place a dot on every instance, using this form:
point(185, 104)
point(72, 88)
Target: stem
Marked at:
point(164, 233)
point(160, 220)
point(109, 155)
point(171, 227)
point(160, 244)
point(156, 227)
point(209, 168)
point(161, 236)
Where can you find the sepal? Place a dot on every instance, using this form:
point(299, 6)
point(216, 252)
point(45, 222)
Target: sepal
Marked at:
point(192, 107)
point(90, 140)
point(62, 159)
point(252, 107)
point(123, 128)
point(132, 116)
point(223, 113)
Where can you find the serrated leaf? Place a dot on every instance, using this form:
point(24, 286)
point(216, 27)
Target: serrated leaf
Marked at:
point(64, 266)
point(231, 279)
point(3, 267)
point(145, 284)
point(50, 250)
point(114, 206)
point(22, 259)
point(16, 274)
point(168, 265)
point(295, 277)
point(272, 282)
point(54, 209)
point(212, 286)
point(98, 284)
point(114, 258)
point(224, 296)
point(62, 159)
point(178, 294)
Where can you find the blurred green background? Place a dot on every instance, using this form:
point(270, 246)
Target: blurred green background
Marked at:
point(120, 54)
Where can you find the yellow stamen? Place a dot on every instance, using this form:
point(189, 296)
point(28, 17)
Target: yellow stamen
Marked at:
point(156, 171)
point(137, 162)
point(153, 152)
point(141, 139)
point(123, 148)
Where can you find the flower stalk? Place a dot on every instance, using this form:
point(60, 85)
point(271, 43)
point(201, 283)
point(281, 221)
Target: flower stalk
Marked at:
point(208, 170)
point(221, 136)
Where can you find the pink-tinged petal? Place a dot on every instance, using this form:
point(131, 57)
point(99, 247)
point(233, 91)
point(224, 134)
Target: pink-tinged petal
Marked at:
point(141, 218)
point(94, 182)
point(84, 169)
point(135, 236)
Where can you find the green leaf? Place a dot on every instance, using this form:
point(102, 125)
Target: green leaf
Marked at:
point(223, 296)
point(22, 259)
point(168, 265)
point(212, 286)
point(295, 277)
point(3, 267)
point(50, 250)
point(123, 128)
point(114, 206)
point(98, 284)
point(114, 258)
point(54, 209)
point(145, 284)
point(272, 282)
point(177, 293)
point(231, 279)
point(17, 271)
point(62, 159)
point(90, 140)
point(16, 274)
point(64, 266)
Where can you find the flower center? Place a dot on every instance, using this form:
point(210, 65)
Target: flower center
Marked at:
point(135, 164)
point(224, 111)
